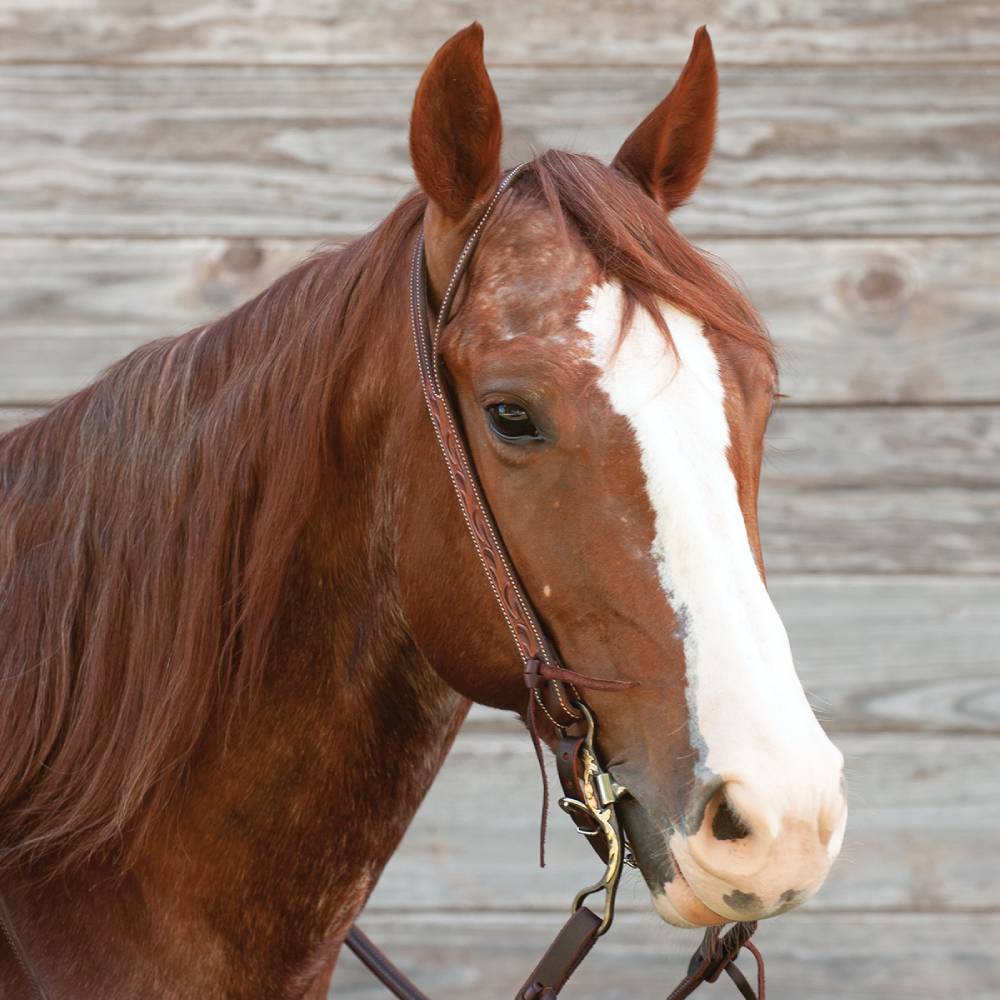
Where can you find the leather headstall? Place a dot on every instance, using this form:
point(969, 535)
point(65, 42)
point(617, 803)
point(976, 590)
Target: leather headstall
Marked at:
point(590, 793)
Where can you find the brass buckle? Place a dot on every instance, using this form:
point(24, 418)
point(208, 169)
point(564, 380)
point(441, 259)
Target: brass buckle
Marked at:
point(600, 792)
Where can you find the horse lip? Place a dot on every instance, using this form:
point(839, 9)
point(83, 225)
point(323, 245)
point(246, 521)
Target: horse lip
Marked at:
point(681, 879)
point(647, 840)
point(659, 866)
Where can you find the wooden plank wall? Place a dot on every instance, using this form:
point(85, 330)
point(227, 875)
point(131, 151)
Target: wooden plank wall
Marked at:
point(159, 162)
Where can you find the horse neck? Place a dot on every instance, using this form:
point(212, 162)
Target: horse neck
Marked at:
point(289, 814)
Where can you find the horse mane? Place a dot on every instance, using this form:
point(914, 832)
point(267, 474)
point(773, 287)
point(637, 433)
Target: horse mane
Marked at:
point(147, 528)
point(148, 523)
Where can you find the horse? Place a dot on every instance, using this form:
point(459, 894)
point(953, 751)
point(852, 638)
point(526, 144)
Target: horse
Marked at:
point(241, 624)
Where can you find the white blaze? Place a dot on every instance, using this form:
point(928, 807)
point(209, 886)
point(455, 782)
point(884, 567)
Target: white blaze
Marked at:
point(749, 718)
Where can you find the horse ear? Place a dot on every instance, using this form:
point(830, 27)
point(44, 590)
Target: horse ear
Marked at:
point(455, 138)
point(669, 150)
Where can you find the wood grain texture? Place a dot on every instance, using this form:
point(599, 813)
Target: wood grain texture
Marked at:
point(72, 307)
point(877, 320)
point(857, 320)
point(882, 490)
point(921, 834)
point(216, 151)
point(456, 956)
point(896, 653)
point(579, 31)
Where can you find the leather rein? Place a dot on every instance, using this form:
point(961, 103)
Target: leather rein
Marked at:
point(590, 793)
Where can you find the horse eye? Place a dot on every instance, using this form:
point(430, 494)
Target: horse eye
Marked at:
point(512, 422)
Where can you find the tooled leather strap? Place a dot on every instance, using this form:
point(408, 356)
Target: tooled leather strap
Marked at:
point(568, 768)
point(552, 689)
point(520, 617)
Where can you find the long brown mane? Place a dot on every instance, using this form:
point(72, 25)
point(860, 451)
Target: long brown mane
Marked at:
point(148, 523)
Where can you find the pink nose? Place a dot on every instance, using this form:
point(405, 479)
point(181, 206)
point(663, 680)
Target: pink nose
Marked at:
point(755, 853)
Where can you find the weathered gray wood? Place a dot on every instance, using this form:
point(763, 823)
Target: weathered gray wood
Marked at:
point(308, 152)
point(885, 490)
point(856, 320)
point(584, 31)
point(921, 834)
point(455, 956)
point(71, 307)
point(877, 320)
point(896, 653)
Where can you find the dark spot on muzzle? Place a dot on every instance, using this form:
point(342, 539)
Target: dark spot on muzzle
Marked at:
point(789, 899)
point(741, 901)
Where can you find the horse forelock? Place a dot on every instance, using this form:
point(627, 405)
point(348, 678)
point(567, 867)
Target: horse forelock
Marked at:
point(635, 244)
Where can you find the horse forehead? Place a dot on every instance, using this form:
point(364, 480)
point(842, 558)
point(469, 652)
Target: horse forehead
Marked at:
point(529, 281)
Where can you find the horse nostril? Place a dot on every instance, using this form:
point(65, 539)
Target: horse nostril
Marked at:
point(726, 825)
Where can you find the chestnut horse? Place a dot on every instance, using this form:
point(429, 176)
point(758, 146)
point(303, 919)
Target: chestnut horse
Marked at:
point(241, 621)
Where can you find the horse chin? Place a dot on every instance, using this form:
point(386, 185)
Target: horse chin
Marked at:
point(678, 905)
point(673, 898)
